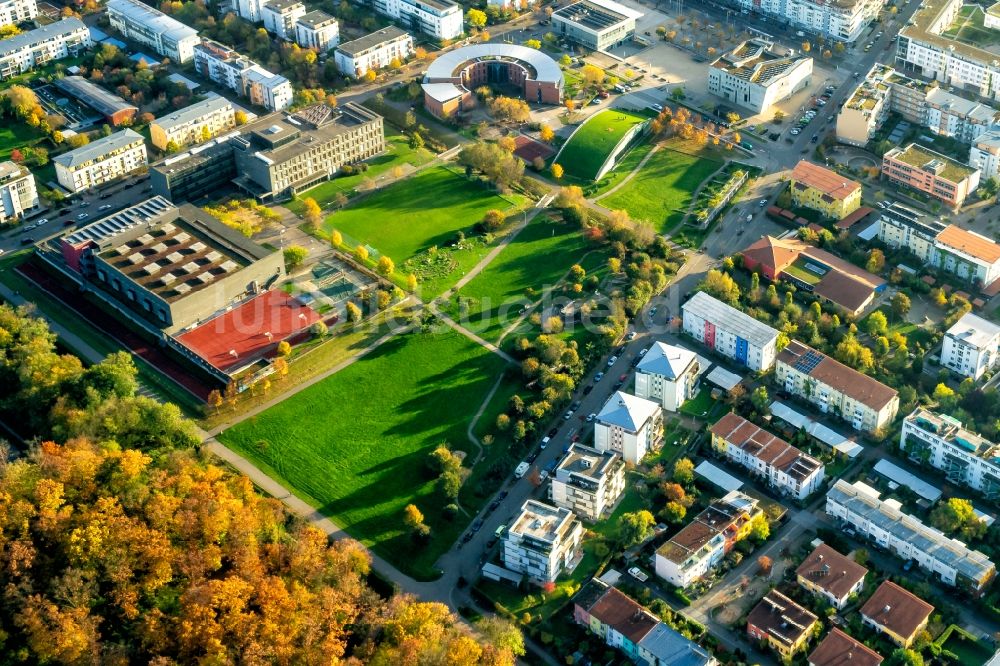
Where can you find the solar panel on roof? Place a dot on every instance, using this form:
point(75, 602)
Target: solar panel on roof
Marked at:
point(808, 363)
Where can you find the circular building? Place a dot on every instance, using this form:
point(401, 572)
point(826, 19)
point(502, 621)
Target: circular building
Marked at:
point(451, 78)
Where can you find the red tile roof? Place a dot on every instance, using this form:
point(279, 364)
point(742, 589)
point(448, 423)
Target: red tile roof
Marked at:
point(826, 181)
point(897, 610)
point(781, 618)
point(626, 616)
point(866, 390)
point(839, 649)
point(970, 243)
point(830, 571)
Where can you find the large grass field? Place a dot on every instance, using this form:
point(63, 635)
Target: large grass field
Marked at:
point(354, 445)
point(536, 259)
point(412, 215)
point(15, 134)
point(397, 154)
point(591, 144)
point(661, 192)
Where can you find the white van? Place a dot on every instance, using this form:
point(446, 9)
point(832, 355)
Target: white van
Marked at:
point(545, 442)
point(521, 470)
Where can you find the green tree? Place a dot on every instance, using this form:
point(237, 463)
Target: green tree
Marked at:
point(760, 529)
point(476, 18)
point(760, 400)
point(385, 266)
point(900, 305)
point(722, 286)
point(353, 312)
point(635, 527)
point(673, 512)
point(877, 324)
point(683, 472)
point(905, 657)
point(294, 256)
point(944, 395)
point(876, 261)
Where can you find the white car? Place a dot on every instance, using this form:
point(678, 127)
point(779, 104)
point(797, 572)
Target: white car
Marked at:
point(591, 417)
point(631, 336)
point(105, 207)
point(42, 221)
point(795, 131)
point(642, 352)
point(638, 574)
point(612, 361)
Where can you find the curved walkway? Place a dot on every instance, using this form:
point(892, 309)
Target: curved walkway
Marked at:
point(631, 174)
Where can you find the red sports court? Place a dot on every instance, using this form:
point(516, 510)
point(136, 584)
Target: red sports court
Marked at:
point(249, 332)
point(528, 149)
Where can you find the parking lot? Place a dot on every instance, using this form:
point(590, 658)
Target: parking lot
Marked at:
point(77, 115)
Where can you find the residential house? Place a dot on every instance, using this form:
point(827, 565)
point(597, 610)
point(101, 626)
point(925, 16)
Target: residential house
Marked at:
point(667, 374)
point(756, 74)
point(970, 346)
point(228, 68)
point(13, 12)
point(588, 482)
point(781, 623)
point(781, 465)
point(932, 173)
point(101, 161)
point(726, 330)
point(841, 21)
point(18, 194)
point(970, 256)
point(280, 17)
point(541, 541)
point(710, 536)
point(195, 123)
point(373, 52)
point(141, 23)
point(34, 48)
point(839, 649)
point(858, 509)
point(904, 227)
point(864, 402)
point(441, 19)
point(828, 574)
point(896, 613)
point(317, 30)
point(967, 458)
point(629, 426)
point(824, 190)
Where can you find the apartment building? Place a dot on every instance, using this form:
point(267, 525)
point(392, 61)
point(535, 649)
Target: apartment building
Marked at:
point(984, 154)
point(116, 111)
point(668, 374)
point(726, 330)
point(373, 52)
point(702, 543)
point(967, 458)
point(924, 50)
point(970, 346)
point(781, 623)
point(275, 156)
point(896, 613)
point(441, 19)
point(756, 75)
point(249, 9)
point(864, 402)
point(228, 68)
point(629, 426)
point(588, 482)
point(141, 23)
point(900, 226)
point(18, 194)
point(13, 12)
point(280, 17)
point(628, 626)
point(101, 161)
point(172, 266)
point(843, 21)
point(541, 541)
point(858, 509)
point(824, 190)
point(37, 47)
point(317, 30)
point(828, 574)
point(970, 256)
point(932, 173)
point(194, 124)
point(839, 649)
point(866, 109)
point(782, 466)
point(595, 24)
point(814, 271)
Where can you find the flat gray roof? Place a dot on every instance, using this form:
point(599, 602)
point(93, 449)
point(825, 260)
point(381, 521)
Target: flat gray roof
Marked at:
point(93, 95)
point(155, 20)
point(38, 35)
point(546, 69)
point(371, 40)
point(97, 148)
point(729, 318)
point(210, 104)
point(896, 473)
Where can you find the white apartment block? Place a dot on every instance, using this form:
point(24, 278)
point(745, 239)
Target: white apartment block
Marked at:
point(141, 23)
point(755, 75)
point(211, 116)
point(441, 19)
point(17, 11)
point(541, 541)
point(280, 17)
point(925, 104)
point(984, 154)
point(36, 47)
point(726, 330)
point(629, 426)
point(667, 374)
point(904, 227)
point(968, 255)
point(101, 161)
point(249, 9)
point(843, 20)
point(317, 30)
point(238, 73)
point(784, 467)
point(858, 508)
point(702, 543)
point(18, 194)
point(970, 346)
point(374, 51)
point(588, 482)
point(967, 458)
point(921, 48)
point(598, 25)
point(864, 402)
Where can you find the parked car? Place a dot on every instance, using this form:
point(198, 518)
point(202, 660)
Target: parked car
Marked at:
point(568, 415)
point(612, 361)
point(83, 216)
point(638, 574)
point(591, 417)
point(587, 389)
point(42, 221)
point(598, 377)
point(631, 336)
point(105, 207)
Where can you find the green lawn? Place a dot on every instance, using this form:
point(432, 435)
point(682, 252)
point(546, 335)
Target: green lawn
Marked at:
point(591, 144)
point(662, 191)
point(397, 154)
point(800, 271)
point(970, 652)
point(536, 259)
point(15, 134)
point(969, 27)
point(354, 444)
point(701, 405)
point(411, 216)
